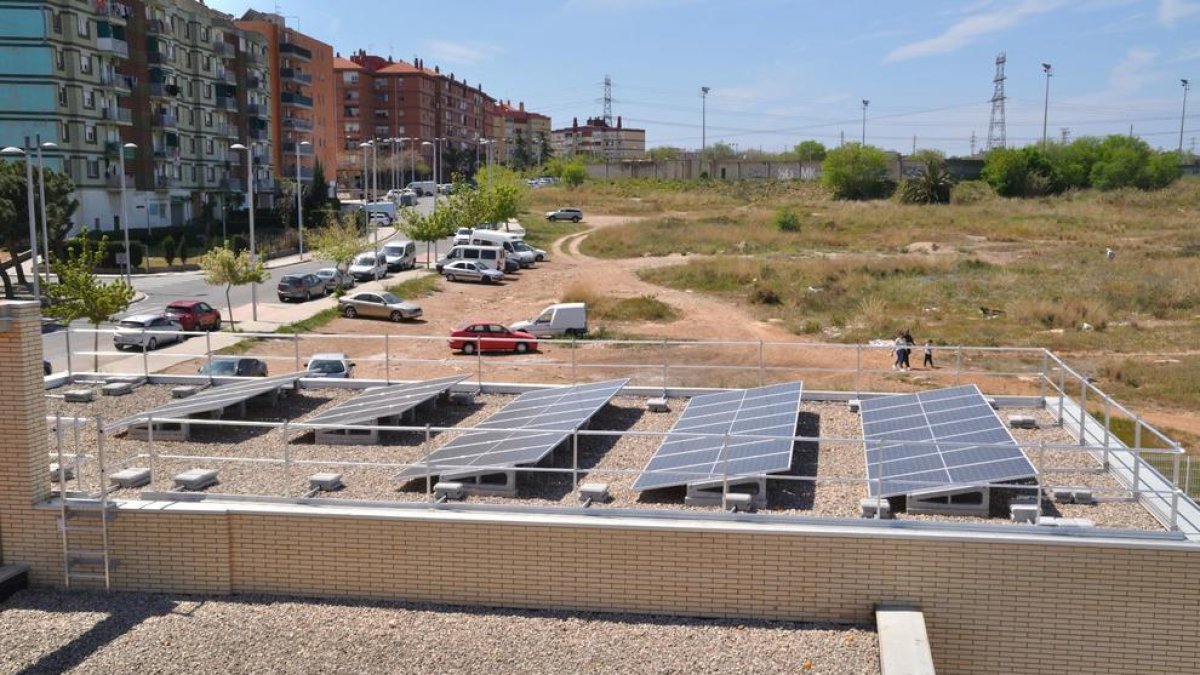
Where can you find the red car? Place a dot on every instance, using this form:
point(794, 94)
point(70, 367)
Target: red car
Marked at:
point(194, 315)
point(491, 337)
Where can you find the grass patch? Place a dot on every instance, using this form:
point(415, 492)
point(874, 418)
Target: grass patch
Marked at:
point(417, 287)
point(311, 323)
point(541, 233)
point(603, 307)
point(1170, 381)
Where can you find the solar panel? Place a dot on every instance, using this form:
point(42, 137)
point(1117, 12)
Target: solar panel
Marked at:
point(389, 401)
point(937, 439)
point(522, 433)
point(765, 411)
point(208, 400)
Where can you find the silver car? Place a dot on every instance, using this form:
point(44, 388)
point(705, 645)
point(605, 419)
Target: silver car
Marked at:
point(335, 279)
point(334, 365)
point(469, 270)
point(147, 331)
point(380, 305)
point(521, 247)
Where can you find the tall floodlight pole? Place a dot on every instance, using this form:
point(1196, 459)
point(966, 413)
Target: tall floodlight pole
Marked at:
point(125, 210)
point(42, 191)
point(865, 103)
point(18, 152)
point(300, 198)
point(434, 146)
point(1049, 70)
point(250, 209)
point(704, 120)
point(366, 184)
point(402, 140)
point(1183, 115)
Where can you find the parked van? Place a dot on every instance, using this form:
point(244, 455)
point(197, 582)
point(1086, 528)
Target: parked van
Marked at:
point(564, 318)
point(424, 187)
point(401, 255)
point(492, 256)
point(493, 238)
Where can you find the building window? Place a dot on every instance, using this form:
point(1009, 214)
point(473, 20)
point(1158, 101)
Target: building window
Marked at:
point(193, 173)
point(66, 132)
point(208, 90)
point(208, 146)
point(187, 30)
point(204, 34)
point(207, 119)
point(93, 168)
point(187, 58)
point(192, 145)
point(89, 133)
point(212, 174)
point(59, 61)
point(85, 64)
point(84, 29)
point(350, 77)
point(57, 21)
point(207, 62)
point(62, 96)
point(89, 99)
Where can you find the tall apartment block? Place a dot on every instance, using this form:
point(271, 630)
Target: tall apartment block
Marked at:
point(520, 123)
point(381, 99)
point(174, 77)
point(600, 139)
point(302, 97)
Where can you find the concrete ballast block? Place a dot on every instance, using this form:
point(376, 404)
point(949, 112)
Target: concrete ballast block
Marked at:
point(449, 490)
point(854, 404)
point(133, 477)
point(328, 482)
point(658, 405)
point(1023, 513)
point(739, 501)
point(462, 398)
point(116, 389)
point(184, 391)
point(196, 479)
point(68, 472)
point(79, 395)
point(593, 492)
point(1022, 422)
point(869, 505)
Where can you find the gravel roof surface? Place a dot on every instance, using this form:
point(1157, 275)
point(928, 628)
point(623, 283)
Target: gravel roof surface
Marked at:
point(616, 460)
point(82, 632)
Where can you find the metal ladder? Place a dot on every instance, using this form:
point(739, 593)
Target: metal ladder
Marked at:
point(83, 523)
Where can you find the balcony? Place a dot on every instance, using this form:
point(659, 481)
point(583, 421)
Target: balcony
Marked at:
point(226, 75)
point(124, 115)
point(306, 173)
point(223, 49)
point(295, 50)
point(256, 109)
point(163, 90)
point(227, 130)
point(289, 149)
point(226, 103)
point(264, 185)
point(259, 134)
point(230, 185)
point(166, 121)
point(159, 27)
point(297, 124)
point(113, 45)
point(113, 182)
point(163, 182)
point(112, 148)
point(253, 81)
point(124, 84)
point(253, 59)
point(117, 12)
point(155, 57)
point(294, 75)
point(296, 100)
point(167, 153)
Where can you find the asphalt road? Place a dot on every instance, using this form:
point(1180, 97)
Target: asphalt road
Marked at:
point(162, 289)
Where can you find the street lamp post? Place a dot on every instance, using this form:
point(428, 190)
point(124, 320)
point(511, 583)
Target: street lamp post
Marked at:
point(865, 103)
point(42, 191)
point(402, 140)
point(1183, 115)
point(1049, 70)
point(300, 198)
point(487, 149)
point(703, 120)
point(250, 208)
point(366, 184)
point(436, 161)
point(125, 210)
point(18, 152)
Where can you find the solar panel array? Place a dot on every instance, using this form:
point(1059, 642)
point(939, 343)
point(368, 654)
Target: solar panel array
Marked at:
point(937, 439)
point(771, 411)
point(522, 433)
point(208, 400)
point(381, 402)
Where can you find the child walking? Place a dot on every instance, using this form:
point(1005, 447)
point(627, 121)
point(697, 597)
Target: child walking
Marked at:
point(929, 354)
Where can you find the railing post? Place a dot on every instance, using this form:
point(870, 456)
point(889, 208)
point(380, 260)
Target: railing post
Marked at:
point(145, 356)
point(724, 472)
point(761, 365)
point(1083, 387)
point(958, 356)
point(1062, 392)
point(287, 456)
point(575, 460)
point(1137, 455)
point(858, 369)
point(478, 359)
point(296, 349)
point(208, 354)
point(1107, 427)
point(664, 366)
point(574, 348)
point(150, 442)
point(387, 359)
point(1045, 374)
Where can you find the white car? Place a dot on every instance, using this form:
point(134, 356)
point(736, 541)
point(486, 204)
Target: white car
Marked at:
point(463, 236)
point(522, 248)
point(470, 270)
point(380, 219)
point(147, 331)
point(334, 365)
point(369, 267)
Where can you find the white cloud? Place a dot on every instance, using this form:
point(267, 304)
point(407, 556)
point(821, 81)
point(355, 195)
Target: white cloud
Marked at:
point(1132, 72)
point(458, 52)
point(965, 31)
point(1171, 12)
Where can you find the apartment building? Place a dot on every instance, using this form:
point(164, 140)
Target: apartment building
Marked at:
point(533, 127)
point(173, 77)
point(384, 99)
point(599, 139)
point(302, 96)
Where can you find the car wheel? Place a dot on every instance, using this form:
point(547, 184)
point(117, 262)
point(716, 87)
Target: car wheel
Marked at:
point(540, 258)
point(397, 317)
point(551, 219)
point(468, 348)
point(152, 344)
point(576, 219)
point(522, 347)
point(307, 296)
point(349, 312)
point(282, 299)
point(449, 277)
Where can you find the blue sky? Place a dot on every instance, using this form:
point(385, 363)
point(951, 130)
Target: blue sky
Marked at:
point(782, 71)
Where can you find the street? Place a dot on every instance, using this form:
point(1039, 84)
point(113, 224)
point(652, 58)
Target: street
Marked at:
point(162, 289)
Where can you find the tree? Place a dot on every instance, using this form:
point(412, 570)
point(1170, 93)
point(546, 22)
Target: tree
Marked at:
point(429, 228)
point(932, 185)
point(222, 266)
point(337, 242)
point(810, 151)
point(521, 158)
point(574, 174)
point(547, 150)
point(718, 151)
point(855, 171)
point(14, 212)
point(505, 202)
point(1018, 172)
point(285, 203)
point(79, 294)
point(457, 161)
point(663, 153)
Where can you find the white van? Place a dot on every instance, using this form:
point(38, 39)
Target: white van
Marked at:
point(492, 256)
point(564, 318)
point(427, 188)
point(492, 238)
point(401, 255)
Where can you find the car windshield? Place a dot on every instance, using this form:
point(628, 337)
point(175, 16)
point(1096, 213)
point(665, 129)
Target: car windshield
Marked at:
point(227, 367)
point(388, 298)
point(326, 273)
point(178, 309)
point(521, 246)
point(365, 260)
point(326, 367)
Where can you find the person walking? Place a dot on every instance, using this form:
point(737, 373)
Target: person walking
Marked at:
point(906, 352)
point(898, 352)
point(929, 354)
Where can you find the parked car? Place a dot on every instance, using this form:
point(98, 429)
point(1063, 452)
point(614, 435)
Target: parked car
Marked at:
point(491, 337)
point(566, 213)
point(147, 331)
point(369, 267)
point(511, 264)
point(235, 366)
point(301, 287)
point(194, 315)
point(462, 236)
point(400, 255)
point(424, 187)
point(408, 197)
point(490, 256)
point(539, 255)
point(380, 219)
point(47, 368)
point(563, 318)
point(469, 270)
point(445, 188)
point(379, 305)
point(335, 279)
point(335, 365)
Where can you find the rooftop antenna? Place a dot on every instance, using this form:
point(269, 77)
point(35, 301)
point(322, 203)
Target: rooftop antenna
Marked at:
point(997, 128)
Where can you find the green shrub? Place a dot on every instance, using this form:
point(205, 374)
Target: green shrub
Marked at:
point(761, 294)
point(239, 243)
point(787, 220)
point(971, 192)
point(856, 172)
point(168, 249)
point(183, 250)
